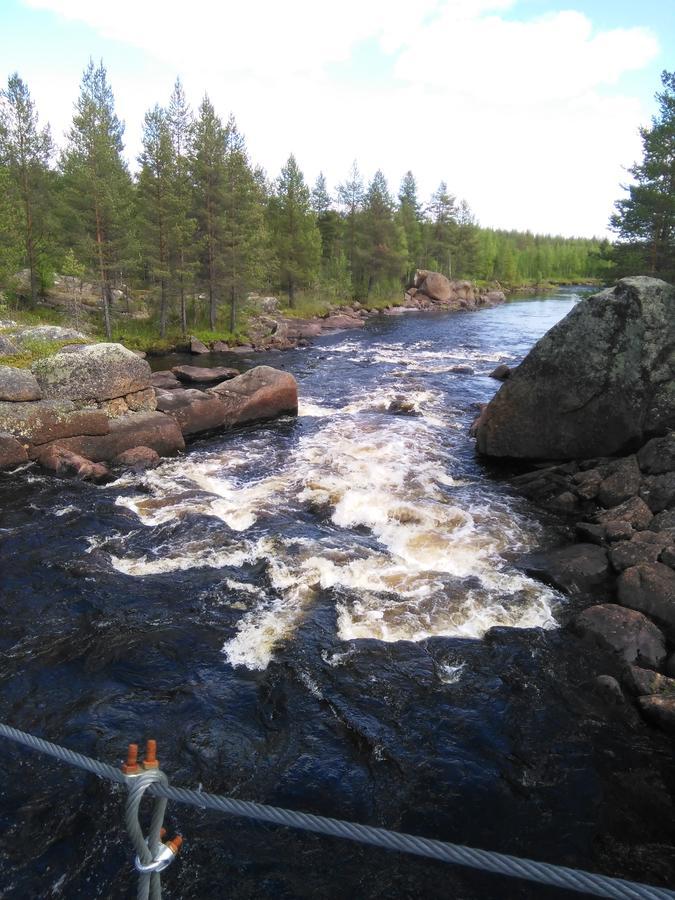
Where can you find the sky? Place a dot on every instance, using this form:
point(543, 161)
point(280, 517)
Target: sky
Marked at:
point(528, 109)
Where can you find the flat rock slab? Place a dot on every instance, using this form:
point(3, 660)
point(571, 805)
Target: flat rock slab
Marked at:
point(41, 421)
point(12, 453)
point(575, 569)
point(625, 631)
point(203, 374)
point(643, 682)
point(195, 412)
point(165, 380)
point(261, 393)
point(151, 429)
point(18, 385)
point(97, 372)
point(333, 323)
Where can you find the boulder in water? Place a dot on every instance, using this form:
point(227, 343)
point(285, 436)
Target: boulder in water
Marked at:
point(259, 394)
point(12, 453)
point(195, 411)
point(203, 374)
point(650, 588)
point(598, 383)
point(137, 458)
point(197, 346)
point(63, 461)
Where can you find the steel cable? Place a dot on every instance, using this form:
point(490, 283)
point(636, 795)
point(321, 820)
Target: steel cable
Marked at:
point(485, 860)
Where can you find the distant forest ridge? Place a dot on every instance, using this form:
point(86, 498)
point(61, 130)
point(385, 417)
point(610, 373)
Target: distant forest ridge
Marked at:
point(199, 226)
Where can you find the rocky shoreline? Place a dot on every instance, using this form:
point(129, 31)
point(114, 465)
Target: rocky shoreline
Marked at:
point(95, 406)
point(592, 406)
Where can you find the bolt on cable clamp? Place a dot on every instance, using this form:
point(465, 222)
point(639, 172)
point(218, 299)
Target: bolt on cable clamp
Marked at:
point(164, 858)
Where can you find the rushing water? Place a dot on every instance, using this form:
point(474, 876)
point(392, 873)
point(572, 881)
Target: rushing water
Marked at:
point(300, 612)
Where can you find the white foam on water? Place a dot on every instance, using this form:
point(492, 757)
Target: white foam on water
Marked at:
point(416, 552)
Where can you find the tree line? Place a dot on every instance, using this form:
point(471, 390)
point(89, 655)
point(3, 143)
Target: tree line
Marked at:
point(199, 226)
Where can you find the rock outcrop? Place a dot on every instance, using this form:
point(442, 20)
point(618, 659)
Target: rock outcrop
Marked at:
point(598, 383)
point(96, 372)
point(18, 385)
point(203, 375)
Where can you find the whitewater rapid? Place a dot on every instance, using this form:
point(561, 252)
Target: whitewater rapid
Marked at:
point(409, 548)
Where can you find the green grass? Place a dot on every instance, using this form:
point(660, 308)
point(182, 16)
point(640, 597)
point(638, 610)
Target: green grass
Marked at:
point(32, 350)
point(39, 315)
point(143, 334)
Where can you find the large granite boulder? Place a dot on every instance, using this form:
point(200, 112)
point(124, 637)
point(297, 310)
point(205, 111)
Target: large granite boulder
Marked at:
point(96, 372)
point(46, 334)
point(577, 568)
point(259, 394)
point(650, 588)
point(150, 429)
point(41, 421)
point(625, 631)
point(12, 453)
point(194, 411)
point(600, 382)
point(18, 385)
point(434, 285)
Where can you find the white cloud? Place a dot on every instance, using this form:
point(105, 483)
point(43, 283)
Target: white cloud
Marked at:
point(522, 117)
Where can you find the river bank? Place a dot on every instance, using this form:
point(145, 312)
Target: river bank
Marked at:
point(323, 612)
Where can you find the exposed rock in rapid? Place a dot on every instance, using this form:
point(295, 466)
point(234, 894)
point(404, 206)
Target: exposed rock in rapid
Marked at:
point(97, 372)
point(138, 459)
point(41, 421)
point(576, 568)
point(12, 453)
point(259, 394)
point(63, 461)
point(599, 382)
point(153, 429)
point(203, 374)
point(625, 631)
point(501, 372)
point(18, 385)
point(194, 411)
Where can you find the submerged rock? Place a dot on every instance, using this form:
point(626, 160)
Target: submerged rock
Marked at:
point(63, 461)
point(598, 383)
point(97, 372)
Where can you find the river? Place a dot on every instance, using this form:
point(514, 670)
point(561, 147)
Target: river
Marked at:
point(321, 613)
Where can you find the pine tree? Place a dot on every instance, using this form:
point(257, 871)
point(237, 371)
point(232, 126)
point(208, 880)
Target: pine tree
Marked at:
point(98, 190)
point(208, 177)
point(382, 253)
point(156, 203)
point(466, 242)
point(410, 218)
point(328, 221)
point(350, 196)
point(180, 122)
point(645, 220)
point(442, 214)
point(25, 152)
point(296, 236)
point(244, 234)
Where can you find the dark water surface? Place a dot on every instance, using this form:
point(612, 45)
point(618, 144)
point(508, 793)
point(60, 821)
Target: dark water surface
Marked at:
point(322, 614)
